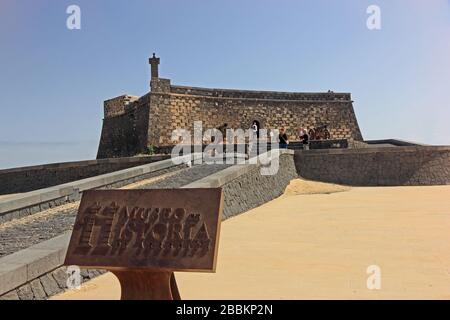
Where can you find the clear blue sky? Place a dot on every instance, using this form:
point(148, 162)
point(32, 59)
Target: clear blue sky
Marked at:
point(53, 80)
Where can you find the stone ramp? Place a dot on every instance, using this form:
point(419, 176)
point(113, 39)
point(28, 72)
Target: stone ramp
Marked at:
point(39, 267)
point(29, 203)
point(377, 165)
point(25, 179)
point(25, 232)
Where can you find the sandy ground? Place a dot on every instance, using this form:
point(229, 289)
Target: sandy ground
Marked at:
point(317, 241)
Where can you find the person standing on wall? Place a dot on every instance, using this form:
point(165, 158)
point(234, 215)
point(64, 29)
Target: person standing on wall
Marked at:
point(253, 141)
point(283, 139)
point(223, 131)
point(304, 139)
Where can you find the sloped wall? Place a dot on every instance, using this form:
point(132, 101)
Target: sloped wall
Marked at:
point(24, 179)
point(388, 166)
point(124, 133)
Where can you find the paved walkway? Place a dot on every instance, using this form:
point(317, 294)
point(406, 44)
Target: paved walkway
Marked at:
point(320, 246)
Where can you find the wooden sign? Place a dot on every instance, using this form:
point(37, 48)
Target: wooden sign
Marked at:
point(152, 231)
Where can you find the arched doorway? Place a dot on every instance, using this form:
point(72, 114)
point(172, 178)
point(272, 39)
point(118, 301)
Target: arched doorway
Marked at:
point(256, 126)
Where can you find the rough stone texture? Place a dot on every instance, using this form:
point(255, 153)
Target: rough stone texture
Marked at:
point(384, 166)
point(24, 179)
point(48, 285)
point(10, 296)
point(160, 85)
point(354, 144)
point(253, 189)
point(38, 290)
point(25, 293)
point(328, 144)
point(23, 212)
point(239, 109)
point(151, 119)
point(20, 236)
point(126, 133)
point(60, 276)
point(186, 177)
point(116, 106)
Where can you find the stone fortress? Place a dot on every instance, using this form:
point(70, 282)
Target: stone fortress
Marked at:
point(38, 204)
point(131, 124)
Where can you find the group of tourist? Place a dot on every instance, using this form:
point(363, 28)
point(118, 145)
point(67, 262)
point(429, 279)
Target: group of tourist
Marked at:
point(283, 138)
point(302, 134)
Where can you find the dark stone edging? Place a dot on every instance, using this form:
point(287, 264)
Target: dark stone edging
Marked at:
point(49, 284)
point(246, 188)
point(26, 179)
point(25, 204)
point(372, 166)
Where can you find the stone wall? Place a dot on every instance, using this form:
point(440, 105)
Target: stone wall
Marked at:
point(25, 179)
point(240, 108)
point(384, 166)
point(37, 273)
point(125, 134)
point(150, 120)
point(117, 106)
point(252, 189)
point(28, 203)
point(262, 95)
point(245, 188)
point(48, 284)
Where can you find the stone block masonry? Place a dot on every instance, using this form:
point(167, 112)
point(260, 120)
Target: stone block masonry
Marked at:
point(38, 271)
point(25, 179)
point(24, 204)
point(116, 106)
point(124, 133)
point(175, 110)
point(133, 124)
point(244, 186)
point(382, 166)
point(253, 189)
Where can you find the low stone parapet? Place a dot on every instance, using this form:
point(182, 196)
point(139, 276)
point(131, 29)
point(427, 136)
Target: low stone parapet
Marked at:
point(382, 166)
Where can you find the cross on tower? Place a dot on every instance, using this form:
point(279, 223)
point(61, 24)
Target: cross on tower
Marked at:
point(154, 62)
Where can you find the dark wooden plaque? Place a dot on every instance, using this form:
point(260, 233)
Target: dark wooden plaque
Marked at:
point(152, 230)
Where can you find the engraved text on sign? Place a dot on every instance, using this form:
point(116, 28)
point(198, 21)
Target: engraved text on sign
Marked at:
point(168, 229)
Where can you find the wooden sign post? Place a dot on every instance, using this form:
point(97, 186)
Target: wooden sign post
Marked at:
point(143, 236)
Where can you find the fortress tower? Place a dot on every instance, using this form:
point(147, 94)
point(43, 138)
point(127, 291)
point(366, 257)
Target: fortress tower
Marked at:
point(131, 124)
